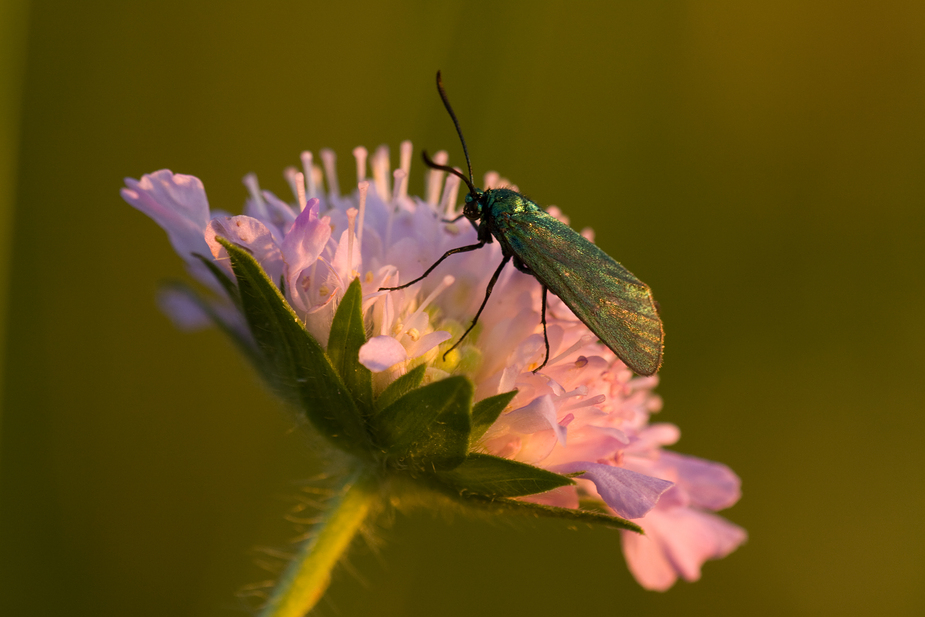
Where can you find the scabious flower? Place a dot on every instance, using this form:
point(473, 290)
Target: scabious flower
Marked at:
point(580, 430)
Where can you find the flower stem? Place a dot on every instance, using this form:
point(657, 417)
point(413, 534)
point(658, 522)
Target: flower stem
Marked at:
point(307, 577)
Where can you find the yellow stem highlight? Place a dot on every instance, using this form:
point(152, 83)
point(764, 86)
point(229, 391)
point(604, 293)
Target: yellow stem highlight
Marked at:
point(307, 577)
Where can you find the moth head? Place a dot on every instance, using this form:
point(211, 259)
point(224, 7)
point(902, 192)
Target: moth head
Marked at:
point(473, 208)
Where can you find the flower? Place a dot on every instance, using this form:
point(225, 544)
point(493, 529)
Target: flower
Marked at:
point(585, 415)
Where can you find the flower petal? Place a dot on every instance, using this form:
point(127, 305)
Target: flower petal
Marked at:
point(381, 352)
point(177, 203)
point(677, 542)
point(307, 238)
point(427, 342)
point(630, 494)
point(249, 233)
point(709, 485)
point(539, 415)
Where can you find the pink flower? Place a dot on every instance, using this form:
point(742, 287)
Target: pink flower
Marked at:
point(584, 413)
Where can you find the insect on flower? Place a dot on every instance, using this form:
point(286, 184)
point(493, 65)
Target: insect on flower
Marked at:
point(613, 303)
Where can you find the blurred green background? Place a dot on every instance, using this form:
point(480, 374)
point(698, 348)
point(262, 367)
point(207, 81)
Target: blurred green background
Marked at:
point(760, 165)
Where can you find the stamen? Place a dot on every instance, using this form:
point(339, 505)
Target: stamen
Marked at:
point(289, 174)
point(296, 181)
point(329, 160)
point(250, 181)
point(435, 179)
point(318, 177)
point(380, 165)
point(307, 170)
point(446, 282)
point(587, 339)
point(360, 153)
point(351, 235)
point(491, 179)
point(579, 391)
point(450, 194)
point(406, 149)
point(591, 402)
point(400, 180)
point(363, 189)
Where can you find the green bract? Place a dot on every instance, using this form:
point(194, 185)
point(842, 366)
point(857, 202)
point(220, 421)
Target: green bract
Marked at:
point(428, 434)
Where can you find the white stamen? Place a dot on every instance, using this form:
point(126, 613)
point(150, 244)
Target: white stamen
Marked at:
point(329, 160)
point(250, 181)
point(289, 174)
point(388, 312)
point(318, 179)
point(351, 235)
point(450, 194)
point(363, 189)
point(446, 282)
point(380, 165)
point(579, 391)
point(491, 179)
point(307, 169)
point(296, 181)
point(400, 180)
point(435, 178)
point(360, 153)
point(591, 402)
point(587, 339)
point(405, 150)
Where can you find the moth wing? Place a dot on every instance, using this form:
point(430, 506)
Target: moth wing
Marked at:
point(613, 303)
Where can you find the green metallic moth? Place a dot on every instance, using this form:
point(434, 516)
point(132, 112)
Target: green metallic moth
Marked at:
point(605, 296)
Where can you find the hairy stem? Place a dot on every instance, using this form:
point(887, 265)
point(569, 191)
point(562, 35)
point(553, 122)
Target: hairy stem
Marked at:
point(307, 577)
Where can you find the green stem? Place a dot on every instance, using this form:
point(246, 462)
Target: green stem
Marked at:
point(305, 580)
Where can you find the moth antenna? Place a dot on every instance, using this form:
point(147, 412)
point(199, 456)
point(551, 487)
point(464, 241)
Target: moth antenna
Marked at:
point(446, 103)
point(430, 163)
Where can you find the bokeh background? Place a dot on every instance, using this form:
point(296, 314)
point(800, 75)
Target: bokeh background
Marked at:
point(760, 165)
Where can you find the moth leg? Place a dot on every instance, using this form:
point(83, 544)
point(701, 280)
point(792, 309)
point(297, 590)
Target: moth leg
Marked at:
point(462, 249)
point(491, 284)
point(520, 265)
point(545, 336)
point(453, 220)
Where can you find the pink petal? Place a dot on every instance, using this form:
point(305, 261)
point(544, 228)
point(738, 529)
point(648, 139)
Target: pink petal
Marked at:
point(677, 543)
point(177, 203)
point(709, 485)
point(630, 494)
point(249, 233)
point(427, 342)
point(381, 352)
point(307, 238)
point(589, 443)
point(185, 312)
point(538, 415)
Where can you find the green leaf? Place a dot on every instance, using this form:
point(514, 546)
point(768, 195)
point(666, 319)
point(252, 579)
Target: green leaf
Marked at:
point(536, 510)
point(299, 368)
point(428, 428)
point(348, 334)
point(486, 411)
point(492, 476)
point(223, 278)
point(401, 386)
